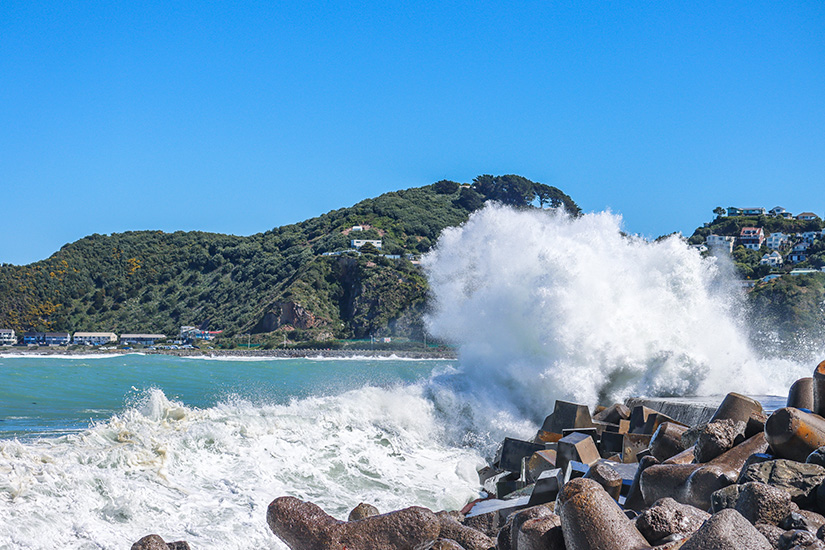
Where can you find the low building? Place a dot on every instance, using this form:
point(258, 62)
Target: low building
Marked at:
point(751, 211)
point(779, 212)
point(807, 216)
point(774, 259)
point(752, 237)
point(46, 338)
point(142, 339)
point(7, 337)
point(717, 242)
point(810, 236)
point(190, 333)
point(93, 338)
point(777, 241)
point(804, 271)
point(358, 243)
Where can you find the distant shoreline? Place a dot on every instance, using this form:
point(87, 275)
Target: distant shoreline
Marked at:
point(274, 353)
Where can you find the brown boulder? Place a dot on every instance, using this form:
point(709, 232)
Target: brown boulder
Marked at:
point(155, 542)
point(305, 526)
point(727, 530)
point(363, 510)
point(467, 537)
point(717, 437)
point(666, 518)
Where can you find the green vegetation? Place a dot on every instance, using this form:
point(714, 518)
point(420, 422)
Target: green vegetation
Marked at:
point(273, 285)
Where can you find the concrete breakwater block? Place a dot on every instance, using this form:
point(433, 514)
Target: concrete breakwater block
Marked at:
point(819, 389)
point(800, 480)
point(590, 519)
point(666, 518)
point(741, 408)
point(567, 415)
point(801, 394)
point(667, 441)
point(577, 447)
point(547, 487)
point(305, 526)
point(512, 451)
point(683, 411)
point(795, 434)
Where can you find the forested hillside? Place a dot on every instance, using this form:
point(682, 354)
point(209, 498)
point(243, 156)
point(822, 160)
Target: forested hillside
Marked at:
point(278, 280)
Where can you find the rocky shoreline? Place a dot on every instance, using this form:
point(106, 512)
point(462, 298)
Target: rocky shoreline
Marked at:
point(632, 476)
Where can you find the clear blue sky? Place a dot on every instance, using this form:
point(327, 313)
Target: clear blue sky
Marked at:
point(237, 117)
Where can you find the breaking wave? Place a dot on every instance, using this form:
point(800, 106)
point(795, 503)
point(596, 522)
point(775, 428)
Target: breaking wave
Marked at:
point(545, 306)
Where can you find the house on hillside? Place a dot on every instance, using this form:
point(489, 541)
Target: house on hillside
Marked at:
point(751, 211)
point(720, 242)
point(7, 337)
point(779, 212)
point(774, 259)
point(778, 240)
point(93, 338)
point(358, 243)
point(799, 252)
point(807, 216)
point(752, 237)
point(810, 236)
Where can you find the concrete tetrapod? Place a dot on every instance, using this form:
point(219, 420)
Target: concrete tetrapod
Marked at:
point(794, 434)
point(695, 483)
point(819, 389)
point(801, 394)
point(591, 520)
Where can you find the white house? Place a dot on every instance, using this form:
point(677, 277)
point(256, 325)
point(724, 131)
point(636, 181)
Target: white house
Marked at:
point(720, 242)
point(7, 337)
point(358, 243)
point(774, 259)
point(807, 216)
point(810, 236)
point(93, 338)
point(779, 212)
point(777, 240)
point(804, 271)
point(752, 237)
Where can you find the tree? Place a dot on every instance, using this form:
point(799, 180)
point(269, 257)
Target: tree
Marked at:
point(469, 200)
point(719, 211)
point(368, 248)
point(445, 187)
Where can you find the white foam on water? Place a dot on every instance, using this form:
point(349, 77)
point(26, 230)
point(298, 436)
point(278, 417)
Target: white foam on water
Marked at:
point(544, 306)
point(207, 476)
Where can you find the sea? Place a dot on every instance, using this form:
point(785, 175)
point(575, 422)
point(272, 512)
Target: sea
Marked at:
point(97, 451)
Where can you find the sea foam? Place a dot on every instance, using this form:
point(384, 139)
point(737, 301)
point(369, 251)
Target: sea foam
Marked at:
point(545, 306)
point(207, 475)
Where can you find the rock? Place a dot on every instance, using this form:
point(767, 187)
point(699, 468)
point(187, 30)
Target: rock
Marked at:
point(440, 544)
point(150, 542)
point(690, 436)
point(725, 497)
point(507, 537)
point(717, 437)
point(305, 526)
point(762, 503)
point(802, 519)
point(770, 532)
point(488, 523)
point(363, 510)
point(667, 517)
point(817, 457)
point(592, 520)
point(540, 534)
point(798, 539)
point(155, 542)
point(467, 537)
point(727, 530)
point(799, 479)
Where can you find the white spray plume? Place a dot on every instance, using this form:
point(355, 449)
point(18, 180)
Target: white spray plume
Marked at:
point(544, 306)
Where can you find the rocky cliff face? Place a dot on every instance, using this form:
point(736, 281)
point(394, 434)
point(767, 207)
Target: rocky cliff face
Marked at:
point(289, 314)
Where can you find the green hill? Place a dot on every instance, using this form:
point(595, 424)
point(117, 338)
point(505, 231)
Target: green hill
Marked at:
point(304, 279)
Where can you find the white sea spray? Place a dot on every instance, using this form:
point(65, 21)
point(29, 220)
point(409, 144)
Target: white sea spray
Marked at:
point(545, 306)
point(207, 476)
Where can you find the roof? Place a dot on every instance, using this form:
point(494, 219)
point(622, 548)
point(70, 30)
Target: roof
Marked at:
point(94, 334)
point(122, 336)
point(806, 214)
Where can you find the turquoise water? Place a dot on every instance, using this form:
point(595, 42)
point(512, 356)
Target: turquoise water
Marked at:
point(54, 395)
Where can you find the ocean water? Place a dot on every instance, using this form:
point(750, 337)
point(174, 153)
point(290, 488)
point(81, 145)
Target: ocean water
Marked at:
point(98, 452)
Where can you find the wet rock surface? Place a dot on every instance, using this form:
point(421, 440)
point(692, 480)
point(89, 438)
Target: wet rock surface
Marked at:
point(666, 518)
point(717, 437)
